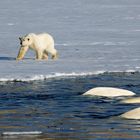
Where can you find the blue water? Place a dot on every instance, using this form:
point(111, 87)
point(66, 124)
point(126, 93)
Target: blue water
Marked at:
point(57, 108)
point(90, 36)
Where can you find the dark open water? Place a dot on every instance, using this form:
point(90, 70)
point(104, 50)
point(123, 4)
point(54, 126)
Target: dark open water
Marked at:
point(57, 108)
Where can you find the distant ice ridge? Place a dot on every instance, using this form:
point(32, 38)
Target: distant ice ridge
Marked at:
point(106, 43)
point(57, 75)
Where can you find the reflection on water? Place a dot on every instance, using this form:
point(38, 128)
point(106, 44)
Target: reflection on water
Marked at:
point(57, 108)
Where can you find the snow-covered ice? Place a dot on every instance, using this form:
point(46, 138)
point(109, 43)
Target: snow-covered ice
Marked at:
point(91, 37)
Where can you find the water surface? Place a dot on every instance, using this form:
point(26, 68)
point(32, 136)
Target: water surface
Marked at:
point(57, 108)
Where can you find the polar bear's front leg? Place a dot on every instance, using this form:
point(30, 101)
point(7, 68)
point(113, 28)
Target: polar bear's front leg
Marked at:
point(39, 55)
point(22, 52)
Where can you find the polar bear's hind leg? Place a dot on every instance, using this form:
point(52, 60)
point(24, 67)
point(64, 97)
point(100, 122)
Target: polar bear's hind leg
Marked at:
point(55, 56)
point(45, 55)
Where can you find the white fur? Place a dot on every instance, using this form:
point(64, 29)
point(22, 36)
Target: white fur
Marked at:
point(42, 44)
point(132, 114)
point(108, 92)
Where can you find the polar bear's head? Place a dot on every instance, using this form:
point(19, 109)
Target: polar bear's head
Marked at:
point(26, 40)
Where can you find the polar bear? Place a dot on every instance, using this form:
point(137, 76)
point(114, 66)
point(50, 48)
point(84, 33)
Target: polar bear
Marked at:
point(109, 92)
point(42, 44)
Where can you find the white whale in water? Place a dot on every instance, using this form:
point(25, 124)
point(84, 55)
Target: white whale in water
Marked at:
point(109, 92)
point(132, 114)
point(131, 100)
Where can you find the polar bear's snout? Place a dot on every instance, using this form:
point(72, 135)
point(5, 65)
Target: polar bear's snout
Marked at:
point(21, 43)
point(20, 39)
